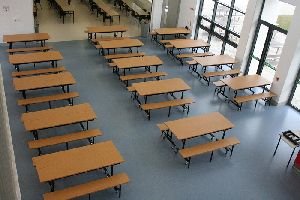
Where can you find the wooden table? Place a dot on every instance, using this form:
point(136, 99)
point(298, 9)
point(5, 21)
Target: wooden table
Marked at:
point(31, 37)
point(190, 44)
point(130, 5)
point(51, 167)
point(137, 62)
point(44, 81)
point(245, 82)
point(64, 8)
point(51, 118)
point(106, 10)
point(115, 44)
point(172, 31)
point(191, 127)
point(38, 57)
point(167, 86)
point(105, 29)
point(213, 61)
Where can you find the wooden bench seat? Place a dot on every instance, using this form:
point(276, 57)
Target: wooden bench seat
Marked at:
point(113, 66)
point(185, 103)
point(144, 76)
point(56, 97)
point(266, 96)
point(38, 72)
point(207, 75)
point(88, 188)
point(66, 138)
point(97, 40)
point(219, 86)
point(163, 128)
point(180, 57)
point(189, 152)
point(123, 55)
point(27, 50)
point(191, 63)
point(164, 41)
point(191, 55)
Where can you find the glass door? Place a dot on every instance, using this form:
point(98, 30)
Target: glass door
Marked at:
point(267, 50)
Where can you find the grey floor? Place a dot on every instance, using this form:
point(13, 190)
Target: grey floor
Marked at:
point(155, 171)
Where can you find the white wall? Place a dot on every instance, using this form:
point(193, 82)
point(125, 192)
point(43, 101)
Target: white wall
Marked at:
point(156, 14)
point(188, 14)
point(9, 185)
point(16, 17)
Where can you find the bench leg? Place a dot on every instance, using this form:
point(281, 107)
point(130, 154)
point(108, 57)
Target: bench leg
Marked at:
point(291, 157)
point(49, 102)
point(188, 109)
point(26, 108)
point(35, 135)
point(211, 156)
point(188, 162)
point(277, 145)
point(231, 150)
point(119, 190)
point(169, 111)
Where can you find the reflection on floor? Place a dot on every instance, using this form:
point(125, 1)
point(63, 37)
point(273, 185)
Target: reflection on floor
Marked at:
point(50, 22)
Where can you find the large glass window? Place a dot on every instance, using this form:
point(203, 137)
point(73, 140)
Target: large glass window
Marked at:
point(222, 20)
point(269, 39)
point(295, 97)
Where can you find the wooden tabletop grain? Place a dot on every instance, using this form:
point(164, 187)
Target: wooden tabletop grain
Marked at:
point(55, 117)
point(214, 60)
point(135, 62)
point(26, 37)
point(114, 44)
point(161, 86)
point(188, 43)
point(37, 57)
point(199, 125)
point(172, 31)
point(43, 81)
point(244, 82)
point(75, 161)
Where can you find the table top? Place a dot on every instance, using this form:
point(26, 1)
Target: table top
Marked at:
point(135, 7)
point(16, 59)
point(106, 8)
point(106, 29)
point(188, 43)
point(113, 44)
point(190, 127)
point(43, 81)
point(55, 117)
point(172, 31)
point(244, 82)
point(135, 62)
point(64, 5)
point(26, 37)
point(160, 87)
point(215, 60)
point(77, 160)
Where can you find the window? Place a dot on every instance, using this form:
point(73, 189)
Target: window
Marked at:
point(221, 21)
point(295, 96)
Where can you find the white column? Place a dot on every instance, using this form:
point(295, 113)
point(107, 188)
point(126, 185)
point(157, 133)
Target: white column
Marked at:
point(247, 33)
point(188, 14)
point(16, 16)
point(289, 62)
point(156, 14)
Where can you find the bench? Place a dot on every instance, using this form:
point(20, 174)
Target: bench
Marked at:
point(191, 63)
point(168, 47)
point(38, 72)
point(72, 192)
point(180, 57)
point(56, 97)
point(113, 66)
point(185, 103)
point(226, 143)
point(123, 55)
point(219, 86)
point(28, 50)
point(144, 76)
point(207, 75)
point(66, 138)
point(266, 96)
point(163, 128)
